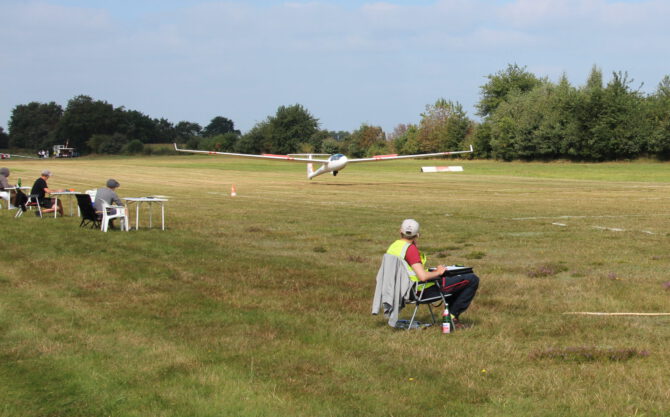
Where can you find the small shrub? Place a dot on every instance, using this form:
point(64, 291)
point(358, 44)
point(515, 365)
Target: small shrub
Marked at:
point(134, 146)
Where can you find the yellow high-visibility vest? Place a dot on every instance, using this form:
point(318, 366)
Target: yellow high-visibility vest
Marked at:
point(399, 249)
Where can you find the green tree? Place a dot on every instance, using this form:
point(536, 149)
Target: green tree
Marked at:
point(330, 146)
point(219, 126)
point(609, 120)
point(444, 126)
point(136, 125)
point(291, 126)
point(133, 147)
point(107, 144)
point(184, 131)
point(658, 118)
point(85, 117)
point(502, 84)
point(254, 141)
point(405, 139)
point(33, 125)
point(587, 108)
point(315, 142)
point(340, 136)
point(366, 141)
point(220, 143)
point(4, 139)
point(283, 133)
point(165, 132)
point(527, 126)
point(482, 140)
point(619, 132)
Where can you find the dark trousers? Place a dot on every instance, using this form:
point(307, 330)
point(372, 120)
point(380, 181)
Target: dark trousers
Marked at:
point(462, 289)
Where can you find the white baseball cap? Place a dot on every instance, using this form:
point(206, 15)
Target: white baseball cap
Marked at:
point(409, 228)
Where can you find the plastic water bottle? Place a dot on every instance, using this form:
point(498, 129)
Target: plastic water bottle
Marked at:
point(447, 325)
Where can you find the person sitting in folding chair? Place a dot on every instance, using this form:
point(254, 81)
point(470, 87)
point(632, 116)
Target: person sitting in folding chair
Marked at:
point(462, 288)
point(40, 189)
point(108, 196)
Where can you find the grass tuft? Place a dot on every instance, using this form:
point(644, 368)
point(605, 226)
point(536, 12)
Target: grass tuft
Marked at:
point(475, 255)
point(588, 354)
point(546, 270)
point(259, 305)
point(356, 259)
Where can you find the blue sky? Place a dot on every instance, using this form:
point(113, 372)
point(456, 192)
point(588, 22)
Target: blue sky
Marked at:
point(347, 62)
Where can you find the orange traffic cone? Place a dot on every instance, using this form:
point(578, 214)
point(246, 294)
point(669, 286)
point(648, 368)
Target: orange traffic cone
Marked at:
point(233, 191)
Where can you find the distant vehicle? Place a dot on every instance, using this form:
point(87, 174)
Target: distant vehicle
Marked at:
point(11, 155)
point(62, 151)
point(334, 164)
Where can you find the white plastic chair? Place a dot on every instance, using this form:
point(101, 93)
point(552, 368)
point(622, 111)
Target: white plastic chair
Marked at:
point(33, 201)
point(121, 212)
point(92, 194)
point(5, 196)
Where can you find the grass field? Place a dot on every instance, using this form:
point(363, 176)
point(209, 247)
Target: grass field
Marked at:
point(259, 305)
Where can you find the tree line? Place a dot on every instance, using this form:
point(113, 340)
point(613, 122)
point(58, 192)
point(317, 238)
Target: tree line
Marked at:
point(522, 116)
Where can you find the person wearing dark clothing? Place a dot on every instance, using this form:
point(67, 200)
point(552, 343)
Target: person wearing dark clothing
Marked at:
point(41, 189)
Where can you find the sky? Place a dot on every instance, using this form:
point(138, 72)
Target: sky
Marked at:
point(347, 62)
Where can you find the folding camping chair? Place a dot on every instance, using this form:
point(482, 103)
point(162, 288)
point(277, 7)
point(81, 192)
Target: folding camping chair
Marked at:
point(395, 289)
point(25, 203)
point(88, 215)
point(418, 296)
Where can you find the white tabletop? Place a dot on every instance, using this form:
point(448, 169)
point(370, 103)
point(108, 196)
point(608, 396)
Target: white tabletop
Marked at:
point(56, 194)
point(64, 193)
point(144, 199)
point(140, 200)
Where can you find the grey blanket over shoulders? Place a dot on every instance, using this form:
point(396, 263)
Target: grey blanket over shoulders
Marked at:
point(393, 288)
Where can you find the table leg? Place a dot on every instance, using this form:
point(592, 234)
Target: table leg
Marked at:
point(150, 210)
point(56, 207)
point(137, 215)
point(162, 216)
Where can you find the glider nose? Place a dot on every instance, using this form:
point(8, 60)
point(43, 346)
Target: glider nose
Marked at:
point(338, 164)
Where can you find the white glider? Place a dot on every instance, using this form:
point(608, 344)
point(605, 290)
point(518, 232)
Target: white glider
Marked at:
point(334, 164)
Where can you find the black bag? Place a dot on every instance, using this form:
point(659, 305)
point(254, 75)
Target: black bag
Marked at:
point(20, 200)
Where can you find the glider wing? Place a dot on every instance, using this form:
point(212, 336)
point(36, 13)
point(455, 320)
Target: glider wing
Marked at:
point(377, 158)
point(288, 158)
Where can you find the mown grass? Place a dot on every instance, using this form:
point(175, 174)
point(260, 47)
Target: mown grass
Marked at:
point(259, 305)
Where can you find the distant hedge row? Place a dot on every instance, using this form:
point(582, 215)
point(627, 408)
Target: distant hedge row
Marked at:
point(522, 117)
